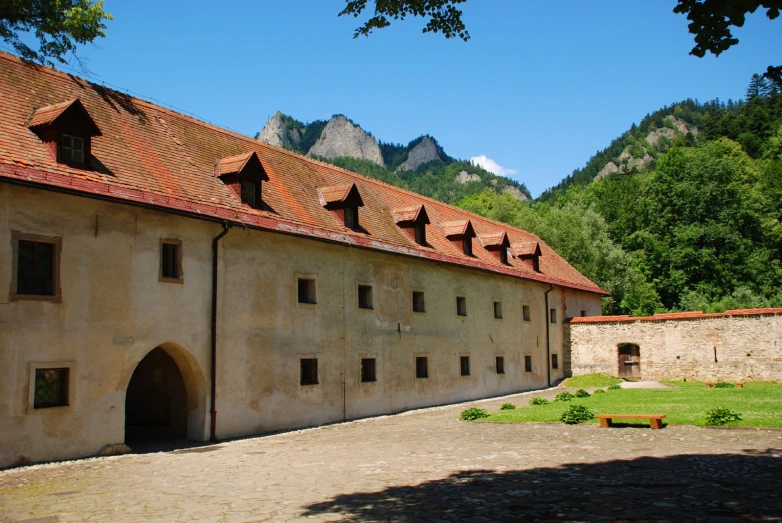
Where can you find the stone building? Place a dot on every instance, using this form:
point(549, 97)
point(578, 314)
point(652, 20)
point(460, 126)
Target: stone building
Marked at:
point(168, 279)
point(739, 345)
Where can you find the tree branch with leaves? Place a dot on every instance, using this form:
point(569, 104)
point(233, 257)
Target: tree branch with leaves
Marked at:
point(443, 16)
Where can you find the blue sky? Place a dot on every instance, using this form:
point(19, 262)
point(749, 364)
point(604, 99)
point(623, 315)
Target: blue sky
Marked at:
point(539, 88)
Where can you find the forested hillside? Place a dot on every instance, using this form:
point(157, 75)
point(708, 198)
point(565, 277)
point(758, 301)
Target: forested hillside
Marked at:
point(696, 226)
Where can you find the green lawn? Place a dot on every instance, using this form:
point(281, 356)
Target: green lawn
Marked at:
point(758, 403)
point(591, 380)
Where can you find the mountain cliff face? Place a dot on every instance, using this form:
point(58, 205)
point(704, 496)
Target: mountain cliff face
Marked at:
point(341, 138)
point(276, 132)
point(425, 151)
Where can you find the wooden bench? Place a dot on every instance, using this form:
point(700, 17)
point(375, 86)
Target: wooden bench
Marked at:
point(710, 384)
point(655, 420)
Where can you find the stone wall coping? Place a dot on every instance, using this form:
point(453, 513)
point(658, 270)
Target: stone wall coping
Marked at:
point(692, 315)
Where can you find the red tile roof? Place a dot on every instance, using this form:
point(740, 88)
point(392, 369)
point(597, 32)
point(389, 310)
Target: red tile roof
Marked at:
point(336, 194)
point(407, 214)
point(524, 248)
point(455, 227)
point(691, 315)
point(48, 114)
point(233, 164)
point(153, 156)
point(494, 239)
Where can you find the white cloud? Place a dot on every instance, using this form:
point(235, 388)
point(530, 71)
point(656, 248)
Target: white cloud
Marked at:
point(491, 166)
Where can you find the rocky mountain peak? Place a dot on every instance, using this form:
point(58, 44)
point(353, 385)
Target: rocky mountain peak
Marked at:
point(425, 151)
point(340, 138)
point(276, 132)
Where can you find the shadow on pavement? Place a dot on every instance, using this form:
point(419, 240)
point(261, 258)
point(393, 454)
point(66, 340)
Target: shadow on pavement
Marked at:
point(682, 487)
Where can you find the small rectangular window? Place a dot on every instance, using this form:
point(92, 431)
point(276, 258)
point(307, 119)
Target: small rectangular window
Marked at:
point(35, 268)
point(461, 306)
point(525, 312)
point(72, 149)
point(418, 302)
point(365, 296)
point(307, 290)
point(420, 234)
point(421, 367)
point(553, 315)
point(583, 313)
point(465, 365)
point(498, 310)
point(467, 244)
point(249, 193)
point(500, 364)
point(309, 371)
point(503, 256)
point(171, 260)
point(554, 361)
point(350, 217)
point(368, 370)
point(51, 388)
point(527, 363)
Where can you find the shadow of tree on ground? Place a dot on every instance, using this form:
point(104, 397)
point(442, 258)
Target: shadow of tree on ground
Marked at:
point(682, 487)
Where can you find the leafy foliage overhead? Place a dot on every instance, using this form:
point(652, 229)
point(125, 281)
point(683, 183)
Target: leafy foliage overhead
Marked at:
point(59, 26)
point(443, 16)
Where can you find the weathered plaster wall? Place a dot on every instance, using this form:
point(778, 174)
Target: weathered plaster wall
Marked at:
point(736, 346)
point(114, 310)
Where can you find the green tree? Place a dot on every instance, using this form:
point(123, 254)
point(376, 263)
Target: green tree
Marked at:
point(443, 16)
point(59, 26)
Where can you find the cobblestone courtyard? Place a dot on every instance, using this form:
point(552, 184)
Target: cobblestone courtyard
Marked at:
point(421, 466)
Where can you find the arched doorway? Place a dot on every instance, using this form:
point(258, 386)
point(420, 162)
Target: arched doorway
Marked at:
point(629, 361)
point(156, 406)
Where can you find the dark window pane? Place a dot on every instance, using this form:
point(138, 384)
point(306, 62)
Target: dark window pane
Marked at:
point(365, 296)
point(306, 291)
point(51, 388)
point(503, 256)
point(528, 363)
point(35, 268)
point(498, 310)
point(421, 367)
point(420, 234)
point(309, 371)
point(170, 261)
point(554, 361)
point(465, 365)
point(467, 246)
point(525, 311)
point(500, 365)
point(350, 217)
point(418, 302)
point(461, 306)
point(368, 370)
point(249, 193)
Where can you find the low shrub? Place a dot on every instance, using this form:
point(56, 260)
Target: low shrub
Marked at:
point(564, 396)
point(507, 406)
point(577, 414)
point(537, 400)
point(473, 414)
point(599, 391)
point(723, 385)
point(581, 393)
point(720, 416)
point(615, 386)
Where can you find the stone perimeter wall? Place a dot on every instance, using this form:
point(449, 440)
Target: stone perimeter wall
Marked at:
point(738, 345)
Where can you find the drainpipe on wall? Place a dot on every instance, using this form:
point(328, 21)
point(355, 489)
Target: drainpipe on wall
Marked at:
point(548, 338)
point(213, 411)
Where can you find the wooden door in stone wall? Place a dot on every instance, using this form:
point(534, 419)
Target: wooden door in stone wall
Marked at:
point(629, 361)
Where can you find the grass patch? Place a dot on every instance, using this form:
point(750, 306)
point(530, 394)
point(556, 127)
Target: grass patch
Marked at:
point(591, 380)
point(758, 403)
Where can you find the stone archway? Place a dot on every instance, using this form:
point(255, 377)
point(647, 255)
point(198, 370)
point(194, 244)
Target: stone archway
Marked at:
point(165, 399)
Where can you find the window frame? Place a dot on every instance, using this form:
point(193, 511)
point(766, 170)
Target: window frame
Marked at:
point(56, 242)
point(308, 382)
point(461, 300)
point(499, 364)
point(424, 367)
point(422, 308)
point(528, 363)
point(365, 290)
point(364, 371)
point(555, 361)
point(552, 315)
point(467, 245)
point(526, 313)
point(464, 366)
point(504, 255)
point(33, 368)
point(254, 185)
point(497, 309)
point(312, 294)
point(583, 313)
point(353, 225)
point(419, 233)
point(179, 258)
point(63, 148)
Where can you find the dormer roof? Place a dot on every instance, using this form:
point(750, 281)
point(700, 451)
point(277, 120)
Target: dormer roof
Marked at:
point(457, 228)
point(340, 196)
point(494, 240)
point(49, 114)
point(410, 214)
point(245, 163)
point(525, 249)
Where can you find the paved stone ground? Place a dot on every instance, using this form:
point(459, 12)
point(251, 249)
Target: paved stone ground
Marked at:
point(422, 466)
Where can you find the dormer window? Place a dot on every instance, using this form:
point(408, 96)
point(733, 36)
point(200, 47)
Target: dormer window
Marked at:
point(72, 149)
point(460, 233)
point(66, 129)
point(529, 253)
point(413, 221)
point(343, 201)
point(496, 243)
point(243, 174)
